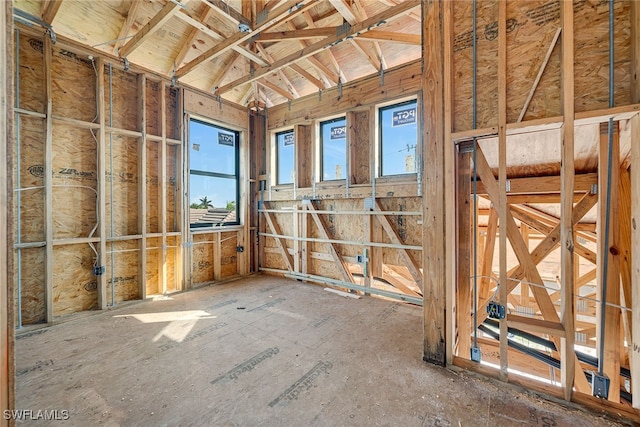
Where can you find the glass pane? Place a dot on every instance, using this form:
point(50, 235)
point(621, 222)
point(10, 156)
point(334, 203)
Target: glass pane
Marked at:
point(399, 136)
point(334, 149)
point(286, 170)
point(212, 200)
point(212, 148)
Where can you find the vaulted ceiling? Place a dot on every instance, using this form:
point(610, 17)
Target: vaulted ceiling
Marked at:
point(266, 51)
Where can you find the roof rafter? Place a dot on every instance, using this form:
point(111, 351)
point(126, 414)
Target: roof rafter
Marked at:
point(50, 10)
point(227, 11)
point(366, 25)
point(128, 23)
point(224, 70)
point(285, 79)
point(295, 34)
point(339, 75)
point(204, 16)
point(387, 36)
point(278, 16)
point(160, 18)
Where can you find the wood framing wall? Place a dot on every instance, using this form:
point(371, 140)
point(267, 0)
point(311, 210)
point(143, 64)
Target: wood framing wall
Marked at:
point(7, 371)
point(532, 239)
point(363, 232)
point(101, 182)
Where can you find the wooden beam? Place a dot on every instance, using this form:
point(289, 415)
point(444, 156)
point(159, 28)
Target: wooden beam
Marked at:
point(433, 228)
point(634, 346)
point(277, 89)
point(335, 77)
point(280, 242)
point(501, 198)
point(102, 181)
point(275, 17)
point(191, 36)
point(625, 251)
point(395, 239)
point(388, 36)
point(567, 176)
point(333, 249)
point(487, 255)
point(302, 34)
point(536, 326)
point(48, 179)
point(609, 254)
point(228, 12)
point(7, 229)
point(224, 70)
point(635, 54)
point(321, 45)
point(142, 187)
point(51, 10)
point(546, 184)
point(158, 20)
point(290, 87)
point(128, 23)
point(464, 258)
point(543, 66)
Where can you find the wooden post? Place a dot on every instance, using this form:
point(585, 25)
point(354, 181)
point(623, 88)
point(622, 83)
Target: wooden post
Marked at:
point(635, 53)
point(162, 176)
point(463, 279)
point(502, 179)
point(102, 186)
point(524, 288)
point(434, 216)
point(7, 370)
point(48, 182)
point(634, 346)
point(611, 356)
point(567, 175)
point(142, 188)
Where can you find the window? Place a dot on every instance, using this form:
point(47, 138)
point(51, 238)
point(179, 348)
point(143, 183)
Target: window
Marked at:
point(213, 175)
point(398, 138)
point(285, 143)
point(333, 138)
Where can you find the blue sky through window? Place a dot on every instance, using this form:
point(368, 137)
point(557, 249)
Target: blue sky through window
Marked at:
point(398, 138)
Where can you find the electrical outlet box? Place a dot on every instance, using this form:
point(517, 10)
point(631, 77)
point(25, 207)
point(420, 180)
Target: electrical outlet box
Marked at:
point(600, 385)
point(476, 354)
point(98, 270)
point(496, 311)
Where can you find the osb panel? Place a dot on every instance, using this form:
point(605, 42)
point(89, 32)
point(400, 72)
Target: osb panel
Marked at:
point(31, 85)
point(153, 190)
point(173, 119)
point(74, 182)
point(32, 138)
point(154, 263)
point(153, 108)
point(172, 263)
point(125, 258)
point(531, 26)
point(228, 254)
point(173, 198)
point(202, 258)
point(74, 86)
point(359, 162)
point(74, 285)
point(32, 285)
point(121, 90)
point(487, 63)
point(343, 227)
point(273, 260)
point(122, 186)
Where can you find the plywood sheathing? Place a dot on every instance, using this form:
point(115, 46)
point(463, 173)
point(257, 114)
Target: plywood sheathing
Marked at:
point(121, 90)
point(75, 181)
point(530, 29)
point(32, 136)
point(74, 86)
point(74, 285)
point(31, 74)
point(172, 181)
point(153, 187)
point(124, 276)
point(32, 286)
point(122, 186)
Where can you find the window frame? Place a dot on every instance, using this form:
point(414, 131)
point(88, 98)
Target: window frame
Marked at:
point(321, 143)
point(277, 157)
point(380, 140)
point(236, 176)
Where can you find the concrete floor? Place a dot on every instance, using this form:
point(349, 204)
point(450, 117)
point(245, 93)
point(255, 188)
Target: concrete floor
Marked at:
point(260, 351)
